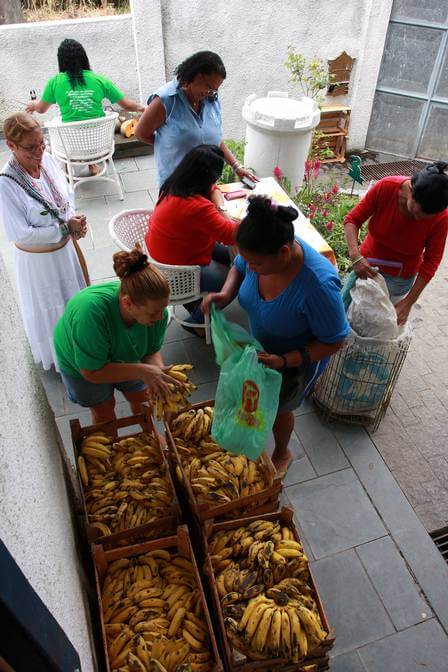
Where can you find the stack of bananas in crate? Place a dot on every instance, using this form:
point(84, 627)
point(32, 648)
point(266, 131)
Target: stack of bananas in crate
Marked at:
point(263, 581)
point(125, 482)
point(215, 475)
point(153, 615)
point(178, 398)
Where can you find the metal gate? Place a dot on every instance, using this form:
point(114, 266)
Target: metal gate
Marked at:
point(410, 110)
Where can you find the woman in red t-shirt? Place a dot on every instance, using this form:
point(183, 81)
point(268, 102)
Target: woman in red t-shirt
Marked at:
point(407, 230)
point(190, 224)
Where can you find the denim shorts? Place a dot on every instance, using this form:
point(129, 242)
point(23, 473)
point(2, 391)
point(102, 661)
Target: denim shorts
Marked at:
point(84, 393)
point(398, 287)
point(297, 384)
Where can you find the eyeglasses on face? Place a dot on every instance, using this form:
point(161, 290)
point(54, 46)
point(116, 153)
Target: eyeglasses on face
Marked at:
point(32, 148)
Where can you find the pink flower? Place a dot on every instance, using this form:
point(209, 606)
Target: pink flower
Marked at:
point(308, 166)
point(334, 189)
point(328, 196)
point(313, 207)
point(311, 217)
point(316, 167)
point(329, 225)
point(278, 173)
point(324, 213)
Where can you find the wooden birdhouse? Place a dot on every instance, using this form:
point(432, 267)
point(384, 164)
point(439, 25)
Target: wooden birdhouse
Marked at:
point(340, 69)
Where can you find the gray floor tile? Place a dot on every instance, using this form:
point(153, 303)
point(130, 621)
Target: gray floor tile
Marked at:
point(415, 544)
point(147, 162)
point(423, 647)
point(100, 262)
point(202, 357)
point(54, 390)
point(125, 165)
point(205, 392)
point(320, 444)
point(138, 180)
point(299, 471)
point(93, 189)
point(347, 662)
point(335, 513)
point(174, 352)
point(388, 572)
point(132, 201)
point(353, 608)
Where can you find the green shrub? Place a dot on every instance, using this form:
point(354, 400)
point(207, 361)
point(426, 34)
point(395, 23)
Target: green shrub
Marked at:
point(237, 149)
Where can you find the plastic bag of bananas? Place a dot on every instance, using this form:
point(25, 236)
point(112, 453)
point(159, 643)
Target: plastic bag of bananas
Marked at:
point(125, 483)
point(178, 398)
point(153, 610)
point(218, 484)
point(264, 594)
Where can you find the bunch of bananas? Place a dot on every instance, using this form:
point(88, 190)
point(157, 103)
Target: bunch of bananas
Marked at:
point(178, 399)
point(216, 476)
point(125, 483)
point(153, 615)
point(263, 580)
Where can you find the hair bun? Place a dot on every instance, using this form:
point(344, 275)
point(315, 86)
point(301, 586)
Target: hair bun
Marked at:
point(127, 263)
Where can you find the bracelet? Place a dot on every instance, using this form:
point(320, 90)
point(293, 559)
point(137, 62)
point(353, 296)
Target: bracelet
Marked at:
point(236, 166)
point(355, 261)
point(63, 228)
point(222, 208)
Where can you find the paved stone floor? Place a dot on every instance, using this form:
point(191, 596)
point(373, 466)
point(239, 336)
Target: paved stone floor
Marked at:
point(382, 581)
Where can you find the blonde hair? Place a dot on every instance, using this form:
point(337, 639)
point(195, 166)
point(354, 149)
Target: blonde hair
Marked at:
point(15, 126)
point(139, 279)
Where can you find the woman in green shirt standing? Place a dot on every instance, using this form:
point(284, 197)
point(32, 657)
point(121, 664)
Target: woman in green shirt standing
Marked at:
point(109, 337)
point(78, 90)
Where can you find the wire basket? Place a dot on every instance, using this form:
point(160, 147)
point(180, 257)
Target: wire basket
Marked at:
point(357, 385)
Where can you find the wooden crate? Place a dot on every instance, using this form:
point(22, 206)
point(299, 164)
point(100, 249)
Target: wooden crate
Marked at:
point(261, 502)
point(333, 127)
point(179, 542)
point(163, 526)
point(235, 661)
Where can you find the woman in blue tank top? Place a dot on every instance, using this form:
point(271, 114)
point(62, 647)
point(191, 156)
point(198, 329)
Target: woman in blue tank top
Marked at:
point(185, 113)
point(292, 295)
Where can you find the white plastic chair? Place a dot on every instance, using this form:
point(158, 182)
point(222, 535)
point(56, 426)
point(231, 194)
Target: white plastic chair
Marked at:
point(129, 227)
point(81, 143)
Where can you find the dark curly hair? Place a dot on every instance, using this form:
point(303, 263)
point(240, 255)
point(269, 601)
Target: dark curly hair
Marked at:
point(72, 59)
point(200, 63)
point(430, 188)
point(266, 226)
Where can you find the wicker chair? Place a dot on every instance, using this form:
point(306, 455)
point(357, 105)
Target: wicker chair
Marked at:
point(129, 227)
point(81, 143)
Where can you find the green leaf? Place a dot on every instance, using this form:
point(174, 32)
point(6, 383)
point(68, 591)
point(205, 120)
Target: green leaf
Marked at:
point(44, 212)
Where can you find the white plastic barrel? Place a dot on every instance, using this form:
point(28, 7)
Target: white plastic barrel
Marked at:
point(278, 133)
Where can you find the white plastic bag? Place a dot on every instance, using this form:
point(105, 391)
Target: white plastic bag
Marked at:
point(371, 313)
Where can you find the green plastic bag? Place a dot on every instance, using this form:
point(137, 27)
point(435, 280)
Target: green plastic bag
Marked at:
point(247, 394)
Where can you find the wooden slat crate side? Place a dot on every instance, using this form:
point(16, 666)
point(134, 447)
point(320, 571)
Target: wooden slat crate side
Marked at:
point(173, 515)
point(266, 498)
point(286, 517)
point(182, 544)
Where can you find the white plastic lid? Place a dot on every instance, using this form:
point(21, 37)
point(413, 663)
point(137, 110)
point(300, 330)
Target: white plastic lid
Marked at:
point(277, 111)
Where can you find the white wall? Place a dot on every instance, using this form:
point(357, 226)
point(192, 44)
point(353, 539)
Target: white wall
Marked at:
point(29, 53)
point(35, 522)
point(252, 39)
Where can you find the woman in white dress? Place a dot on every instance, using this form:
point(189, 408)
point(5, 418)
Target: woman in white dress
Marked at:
point(37, 211)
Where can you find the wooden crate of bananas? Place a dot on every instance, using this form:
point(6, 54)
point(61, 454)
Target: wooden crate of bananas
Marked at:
point(153, 613)
point(269, 612)
point(218, 484)
point(125, 482)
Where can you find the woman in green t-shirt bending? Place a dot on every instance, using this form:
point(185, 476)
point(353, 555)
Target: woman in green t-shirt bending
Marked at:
point(109, 337)
point(77, 90)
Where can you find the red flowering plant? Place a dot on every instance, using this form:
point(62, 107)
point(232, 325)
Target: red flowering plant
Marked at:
point(325, 206)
